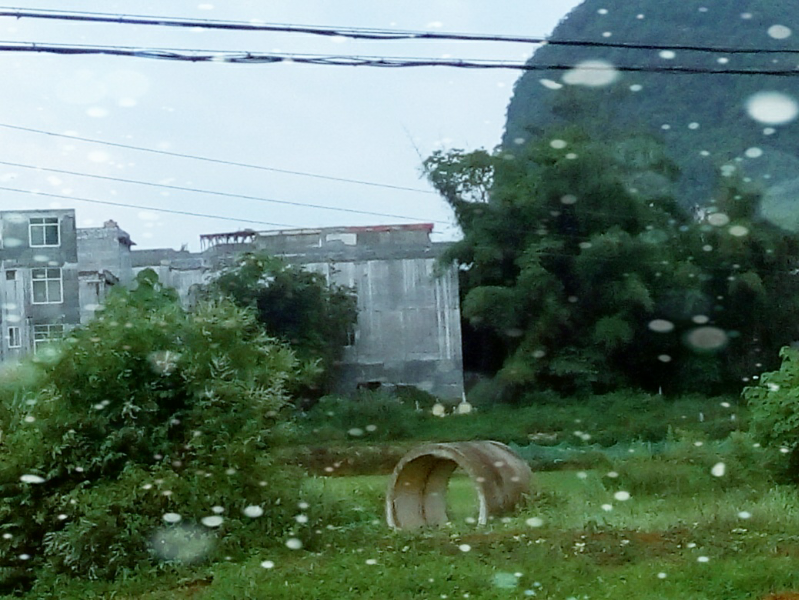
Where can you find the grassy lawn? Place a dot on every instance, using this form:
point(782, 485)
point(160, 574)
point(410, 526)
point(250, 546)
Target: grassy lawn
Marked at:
point(577, 538)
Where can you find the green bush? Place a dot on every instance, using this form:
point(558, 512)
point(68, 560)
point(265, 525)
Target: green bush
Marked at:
point(146, 416)
point(774, 405)
point(691, 465)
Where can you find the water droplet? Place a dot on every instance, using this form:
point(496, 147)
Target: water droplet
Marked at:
point(718, 219)
point(739, 231)
point(268, 564)
point(718, 470)
point(568, 199)
point(753, 153)
point(213, 521)
point(31, 479)
point(667, 54)
point(707, 338)
point(703, 559)
point(172, 517)
point(661, 325)
point(622, 496)
point(591, 73)
point(181, 543)
point(552, 85)
point(293, 544)
point(744, 514)
point(253, 511)
point(535, 522)
point(464, 547)
point(772, 108)
point(355, 432)
point(607, 507)
point(779, 32)
point(558, 144)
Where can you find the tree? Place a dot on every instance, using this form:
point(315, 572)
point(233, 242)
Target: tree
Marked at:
point(583, 275)
point(297, 306)
point(121, 439)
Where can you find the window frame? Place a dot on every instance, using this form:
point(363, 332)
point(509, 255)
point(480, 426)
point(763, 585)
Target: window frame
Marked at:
point(46, 281)
point(14, 334)
point(45, 224)
point(38, 328)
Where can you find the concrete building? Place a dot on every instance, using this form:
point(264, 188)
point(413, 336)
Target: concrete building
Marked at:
point(408, 330)
point(39, 297)
point(104, 259)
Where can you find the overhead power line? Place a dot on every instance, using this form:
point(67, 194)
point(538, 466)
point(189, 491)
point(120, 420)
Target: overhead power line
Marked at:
point(141, 207)
point(359, 33)
point(249, 57)
point(214, 160)
point(215, 193)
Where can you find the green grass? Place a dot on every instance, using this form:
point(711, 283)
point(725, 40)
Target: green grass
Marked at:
point(668, 545)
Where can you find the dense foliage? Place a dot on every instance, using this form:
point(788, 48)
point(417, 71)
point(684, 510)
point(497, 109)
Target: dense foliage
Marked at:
point(581, 274)
point(702, 117)
point(297, 306)
point(120, 441)
point(774, 405)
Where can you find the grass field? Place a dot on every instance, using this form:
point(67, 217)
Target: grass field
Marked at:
point(578, 538)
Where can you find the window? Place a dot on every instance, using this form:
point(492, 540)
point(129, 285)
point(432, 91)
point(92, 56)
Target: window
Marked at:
point(14, 339)
point(44, 231)
point(46, 286)
point(44, 334)
point(11, 275)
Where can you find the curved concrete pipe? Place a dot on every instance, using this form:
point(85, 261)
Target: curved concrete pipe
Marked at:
point(417, 490)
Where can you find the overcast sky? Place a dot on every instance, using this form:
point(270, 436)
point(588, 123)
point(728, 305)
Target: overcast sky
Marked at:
point(355, 123)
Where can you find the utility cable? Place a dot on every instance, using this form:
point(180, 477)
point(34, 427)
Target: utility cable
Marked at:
point(360, 33)
point(248, 57)
point(139, 206)
point(215, 160)
point(215, 193)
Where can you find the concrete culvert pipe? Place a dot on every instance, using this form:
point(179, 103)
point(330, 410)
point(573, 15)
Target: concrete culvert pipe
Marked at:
point(417, 490)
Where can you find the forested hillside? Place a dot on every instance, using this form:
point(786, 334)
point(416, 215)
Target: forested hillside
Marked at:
point(705, 119)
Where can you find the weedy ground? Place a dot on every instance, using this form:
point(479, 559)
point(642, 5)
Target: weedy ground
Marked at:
point(583, 535)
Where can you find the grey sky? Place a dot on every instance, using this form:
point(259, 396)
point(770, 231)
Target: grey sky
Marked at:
point(359, 123)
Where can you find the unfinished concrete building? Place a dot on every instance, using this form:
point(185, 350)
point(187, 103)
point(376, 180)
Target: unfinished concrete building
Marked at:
point(408, 330)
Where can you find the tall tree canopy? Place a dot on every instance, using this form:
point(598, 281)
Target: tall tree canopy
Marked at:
point(580, 273)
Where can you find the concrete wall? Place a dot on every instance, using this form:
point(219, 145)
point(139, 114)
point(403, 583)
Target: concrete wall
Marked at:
point(106, 248)
point(408, 330)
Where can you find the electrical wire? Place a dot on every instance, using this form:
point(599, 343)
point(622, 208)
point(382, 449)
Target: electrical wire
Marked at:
point(359, 33)
point(250, 57)
point(215, 193)
point(142, 207)
point(214, 160)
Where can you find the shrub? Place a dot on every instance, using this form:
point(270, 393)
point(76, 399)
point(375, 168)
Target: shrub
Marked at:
point(774, 406)
point(146, 416)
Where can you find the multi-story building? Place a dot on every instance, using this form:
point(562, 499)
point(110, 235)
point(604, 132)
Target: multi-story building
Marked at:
point(39, 297)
